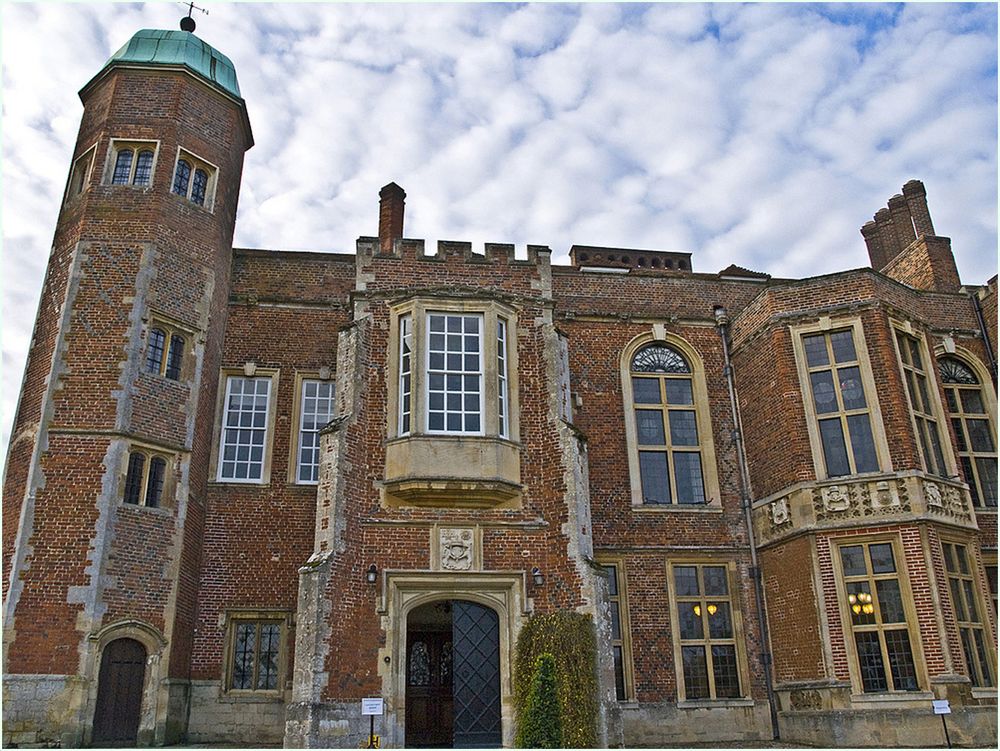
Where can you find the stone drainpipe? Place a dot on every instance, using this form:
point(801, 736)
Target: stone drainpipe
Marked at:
point(722, 323)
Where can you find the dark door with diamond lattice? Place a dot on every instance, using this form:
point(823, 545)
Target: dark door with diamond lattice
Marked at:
point(476, 637)
point(119, 693)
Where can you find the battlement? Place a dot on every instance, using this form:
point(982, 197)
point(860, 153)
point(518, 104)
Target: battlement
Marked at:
point(596, 257)
point(415, 249)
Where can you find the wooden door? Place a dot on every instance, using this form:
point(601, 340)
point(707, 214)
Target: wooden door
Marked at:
point(429, 703)
point(119, 693)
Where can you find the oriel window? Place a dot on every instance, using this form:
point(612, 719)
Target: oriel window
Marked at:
point(965, 600)
point(919, 394)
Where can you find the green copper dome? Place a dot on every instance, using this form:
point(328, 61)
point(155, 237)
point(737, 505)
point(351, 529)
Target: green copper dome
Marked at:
point(158, 47)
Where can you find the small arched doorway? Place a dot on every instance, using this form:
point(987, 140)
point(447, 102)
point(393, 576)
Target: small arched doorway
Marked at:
point(119, 693)
point(453, 676)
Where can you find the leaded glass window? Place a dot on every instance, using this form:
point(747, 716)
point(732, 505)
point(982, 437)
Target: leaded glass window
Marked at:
point(840, 404)
point(454, 373)
point(666, 426)
point(919, 389)
point(175, 357)
point(123, 167)
point(145, 479)
point(244, 429)
point(975, 433)
point(256, 652)
point(879, 626)
point(198, 187)
point(154, 350)
point(706, 631)
point(619, 624)
point(965, 600)
point(143, 168)
point(317, 410)
point(135, 477)
point(154, 483)
point(182, 177)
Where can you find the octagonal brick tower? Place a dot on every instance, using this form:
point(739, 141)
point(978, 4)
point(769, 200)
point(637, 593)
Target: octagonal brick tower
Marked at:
point(105, 481)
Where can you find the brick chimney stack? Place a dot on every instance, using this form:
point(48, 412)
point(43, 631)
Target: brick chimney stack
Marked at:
point(902, 244)
point(390, 216)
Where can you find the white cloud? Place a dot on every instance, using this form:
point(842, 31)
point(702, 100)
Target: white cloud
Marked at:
point(761, 134)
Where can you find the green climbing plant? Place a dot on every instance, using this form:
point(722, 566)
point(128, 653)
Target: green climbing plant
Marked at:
point(540, 725)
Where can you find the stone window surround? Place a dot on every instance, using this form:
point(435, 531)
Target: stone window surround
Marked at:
point(618, 561)
point(81, 174)
point(170, 327)
point(418, 308)
point(248, 370)
point(736, 610)
point(934, 389)
point(116, 145)
point(972, 361)
point(228, 620)
point(703, 419)
point(825, 325)
point(166, 501)
point(196, 162)
point(984, 600)
point(858, 695)
point(322, 374)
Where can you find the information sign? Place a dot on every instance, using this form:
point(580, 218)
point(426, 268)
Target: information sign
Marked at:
point(373, 706)
point(941, 706)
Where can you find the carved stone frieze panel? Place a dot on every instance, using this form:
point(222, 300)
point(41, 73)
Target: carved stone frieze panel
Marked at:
point(456, 548)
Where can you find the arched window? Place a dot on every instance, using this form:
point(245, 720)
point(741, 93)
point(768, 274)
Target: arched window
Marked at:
point(123, 167)
point(974, 431)
point(145, 479)
point(667, 434)
point(194, 179)
point(165, 352)
point(181, 177)
point(133, 162)
point(143, 168)
point(199, 186)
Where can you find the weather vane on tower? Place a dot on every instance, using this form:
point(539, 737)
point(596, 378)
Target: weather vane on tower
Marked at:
point(187, 23)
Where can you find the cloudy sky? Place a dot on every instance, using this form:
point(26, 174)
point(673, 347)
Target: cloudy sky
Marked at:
point(762, 135)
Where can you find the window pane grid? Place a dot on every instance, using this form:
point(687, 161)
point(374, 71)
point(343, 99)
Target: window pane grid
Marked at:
point(962, 586)
point(974, 433)
point(316, 411)
point(502, 376)
point(454, 373)
point(405, 374)
point(617, 643)
point(244, 429)
point(874, 601)
point(256, 656)
point(921, 407)
point(154, 350)
point(839, 401)
point(123, 167)
point(143, 168)
point(706, 631)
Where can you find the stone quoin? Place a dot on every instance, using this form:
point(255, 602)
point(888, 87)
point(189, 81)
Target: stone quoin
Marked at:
point(248, 488)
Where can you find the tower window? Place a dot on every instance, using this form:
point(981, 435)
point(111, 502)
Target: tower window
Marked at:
point(165, 351)
point(131, 163)
point(194, 179)
point(145, 479)
point(80, 177)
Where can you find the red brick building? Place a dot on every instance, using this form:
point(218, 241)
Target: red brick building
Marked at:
point(248, 488)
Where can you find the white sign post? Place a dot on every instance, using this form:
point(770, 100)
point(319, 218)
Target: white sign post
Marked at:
point(371, 707)
point(942, 708)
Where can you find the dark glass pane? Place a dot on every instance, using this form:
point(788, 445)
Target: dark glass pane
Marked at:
point(123, 167)
point(243, 655)
point(882, 560)
point(420, 665)
point(716, 581)
point(970, 478)
point(154, 486)
point(143, 168)
point(851, 389)
point(824, 397)
point(842, 343)
point(611, 573)
point(904, 672)
point(956, 425)
point(198, 187)
point(963, 561)
point(133, 478)
point(970, 601)
point(659, 358)
point(935, 440)
point(649, 427)
point(175, 357)
point(646, 390)
point(852, 558)
point(925, 401)
point(948, 551)
point(834, 448)
point(678, 391)
point(987, 466)
point(690, 487)
point(182, 177)
point(727, 681)
point(683, 428)
point(915, 353)
point(870, 662)
point(686, 581)
point(890, 601)
point(985, 666)
point(862, 443)
point(980, 435)
point(453, 324)
point(654, 477)
point(970, 655)
point(267, 663)
point(619, 673)
point(154, 350)
point(972, 402)
point(815, 347)
point(616, 622)
point(695, 673)
point(949, 395)
point(720, 623)
point(689, 615)
point(904, 351)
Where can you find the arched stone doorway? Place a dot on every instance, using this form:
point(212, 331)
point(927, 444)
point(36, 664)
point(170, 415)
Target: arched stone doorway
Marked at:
point(453, 675)
point(119, 693)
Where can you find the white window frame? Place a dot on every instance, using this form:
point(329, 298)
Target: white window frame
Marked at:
point(265, 443)
point(446, 372)
point(301, 431)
